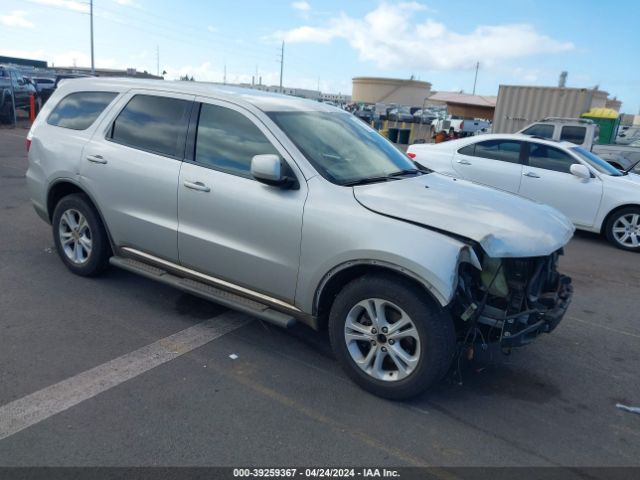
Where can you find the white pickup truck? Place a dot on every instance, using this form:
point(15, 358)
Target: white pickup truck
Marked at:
point(585, 132)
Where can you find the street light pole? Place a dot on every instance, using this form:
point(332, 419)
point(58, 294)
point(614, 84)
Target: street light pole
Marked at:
point(476, 78)
point(93, 65)
point(281, 64)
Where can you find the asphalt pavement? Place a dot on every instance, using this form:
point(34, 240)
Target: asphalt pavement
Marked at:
point(256, 395)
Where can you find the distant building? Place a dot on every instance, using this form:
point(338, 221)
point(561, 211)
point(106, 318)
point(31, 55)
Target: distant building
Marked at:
point(24, 62)
point(466, 105)
point(613, 104)
point(519, 105)
point(390, 91)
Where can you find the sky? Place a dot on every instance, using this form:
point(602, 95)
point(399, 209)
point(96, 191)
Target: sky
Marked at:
point(516, 42)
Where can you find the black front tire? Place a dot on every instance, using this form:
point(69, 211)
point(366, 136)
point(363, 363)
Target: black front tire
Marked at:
point(98, 259)
point(434, 326)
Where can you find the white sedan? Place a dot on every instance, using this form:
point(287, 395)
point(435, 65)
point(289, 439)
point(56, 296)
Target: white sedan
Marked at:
point(593, 194)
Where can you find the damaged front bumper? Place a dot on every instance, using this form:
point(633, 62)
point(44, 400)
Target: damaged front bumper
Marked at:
point(511, 301)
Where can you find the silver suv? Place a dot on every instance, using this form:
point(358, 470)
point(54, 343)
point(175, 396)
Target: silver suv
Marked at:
point(292, 210)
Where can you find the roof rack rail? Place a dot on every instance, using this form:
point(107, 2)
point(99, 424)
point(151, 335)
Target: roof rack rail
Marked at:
point(586, 121)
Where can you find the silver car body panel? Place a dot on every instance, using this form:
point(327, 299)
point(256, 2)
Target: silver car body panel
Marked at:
point(505, 225)
point(338, 232)
point(242, 230)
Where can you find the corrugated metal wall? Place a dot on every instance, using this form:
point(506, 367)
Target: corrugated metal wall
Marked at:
point(518, 106)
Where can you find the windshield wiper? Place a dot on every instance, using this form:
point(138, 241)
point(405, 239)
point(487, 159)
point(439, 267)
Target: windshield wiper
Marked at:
point(366, 180)
point(407, 171)
point(632, 166)
point(385, 178)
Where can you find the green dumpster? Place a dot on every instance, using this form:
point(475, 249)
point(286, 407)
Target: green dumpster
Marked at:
point(608, 121)
point(393, 134)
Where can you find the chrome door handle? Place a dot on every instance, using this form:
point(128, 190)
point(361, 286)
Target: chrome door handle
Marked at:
point(531, 175)
point(96, 159)
point(199, 186)
point(464, 162)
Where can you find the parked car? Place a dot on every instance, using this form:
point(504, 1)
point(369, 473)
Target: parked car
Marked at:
point(44, 86)
point(449, 124)
point(474, 127)
point(365, 113)
point(585, 132)
point(424, 116)
point(400, 114)
point(292, 210)
point(15, 90)
point(593, 194)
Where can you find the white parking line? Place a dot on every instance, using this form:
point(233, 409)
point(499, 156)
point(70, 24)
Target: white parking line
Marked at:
point(49, 401)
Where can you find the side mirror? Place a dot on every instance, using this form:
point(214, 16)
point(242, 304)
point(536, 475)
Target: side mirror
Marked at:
point(269, 170)
point(580, 170)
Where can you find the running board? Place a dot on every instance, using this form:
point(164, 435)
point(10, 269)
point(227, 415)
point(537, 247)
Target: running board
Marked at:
point(208, 292)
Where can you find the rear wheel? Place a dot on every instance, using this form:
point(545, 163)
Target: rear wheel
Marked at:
point(79, 236)
point(623, 229)
point(389, 337)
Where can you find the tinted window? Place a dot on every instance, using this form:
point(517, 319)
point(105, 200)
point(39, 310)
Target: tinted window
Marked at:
point(79, 110)
point(154, 124)
point(573, 134)
point(550, 158)
point(540, 130)
point(468, 150)
point(503, 150)
point(227, 140)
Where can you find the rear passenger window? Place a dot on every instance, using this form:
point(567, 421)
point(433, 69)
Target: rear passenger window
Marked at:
point(503, 150)
point(573, 134)
point(468, 150)
point(550, 158)
point(78, 111)
point(153, 124)
point(540, 130)
point(227, 140)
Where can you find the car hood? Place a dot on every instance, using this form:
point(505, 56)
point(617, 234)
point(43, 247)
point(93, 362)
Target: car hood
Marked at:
point(505, 225)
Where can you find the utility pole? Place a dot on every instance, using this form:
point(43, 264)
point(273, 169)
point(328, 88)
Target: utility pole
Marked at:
point(93, 65)
point(281, 64)
point(157, 60)
point(476, 78)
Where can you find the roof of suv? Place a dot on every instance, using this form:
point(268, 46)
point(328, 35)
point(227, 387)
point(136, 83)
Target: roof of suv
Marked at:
point(265, 101)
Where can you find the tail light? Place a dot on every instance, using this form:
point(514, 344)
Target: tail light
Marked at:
point(27, 143)
point(411, 155)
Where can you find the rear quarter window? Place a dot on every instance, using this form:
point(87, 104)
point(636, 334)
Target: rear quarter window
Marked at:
point(78, 111)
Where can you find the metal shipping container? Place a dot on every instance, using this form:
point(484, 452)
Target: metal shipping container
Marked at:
point(518, 106)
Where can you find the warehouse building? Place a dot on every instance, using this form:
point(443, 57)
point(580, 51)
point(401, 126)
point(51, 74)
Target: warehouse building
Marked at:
point(389, 91)
point(518, 106)
point(465, 105)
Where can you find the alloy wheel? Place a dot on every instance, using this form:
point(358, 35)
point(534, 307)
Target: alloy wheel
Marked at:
point(75, 236)
point(626, 230)
point(382, 339)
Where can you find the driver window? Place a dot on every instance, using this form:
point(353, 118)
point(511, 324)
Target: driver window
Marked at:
point(550, 158)
point(227, 140)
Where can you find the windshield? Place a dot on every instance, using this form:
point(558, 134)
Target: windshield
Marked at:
point(596, 162)
point(341, 147)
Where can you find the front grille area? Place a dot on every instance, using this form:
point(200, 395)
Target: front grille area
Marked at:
point(511, 301)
